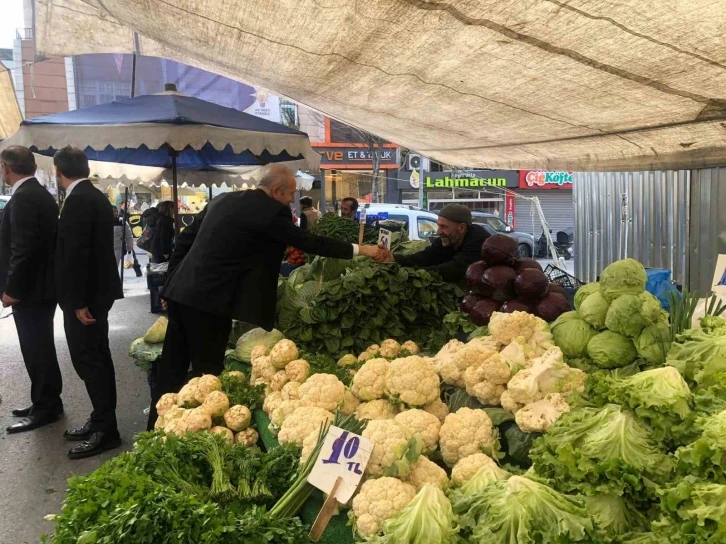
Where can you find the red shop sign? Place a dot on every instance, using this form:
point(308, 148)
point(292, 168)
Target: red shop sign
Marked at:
point(539, 179)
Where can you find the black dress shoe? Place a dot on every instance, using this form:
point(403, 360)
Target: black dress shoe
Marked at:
point(23, 412)
point(79, 434)
point(33, 421)
point(98, 442)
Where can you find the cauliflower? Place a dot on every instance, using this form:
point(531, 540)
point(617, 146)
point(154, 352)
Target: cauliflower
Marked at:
point(238, 418)
point(370, 353)
point(259, 351)
point(575, 381)
point(298, 370)
point(379, 500)
point(518, 354)
point(279, 379)
point(187, 397)
point(301, 423)
point(308, 445)
point(216, 404)
point(248, 437)
point(166, 403)
point(291, 391)
point(175, 412)
point(466, 432)
point(198, 419)
point(389, 349)
point(425, 472)
point(412, 380)
point(262, 370)
point(272, 401)
point(349, 404)
point(285, 351)
point(390, 444)
point(160, 422)
point(425, 424)
point(237, 375)
point(411, 347)
point(176, 426)
point(465, 468)
point(375, 409)
point(453, 367)
point(508, 403)
point(206, 385)
point(348, 360)
point(538, 416)
point(279, 414)
point(487, 380)
point(437, 408)
point(322, 390)
point(224, 432)
point(505, 328)
point(369, 383)
point(548, 374)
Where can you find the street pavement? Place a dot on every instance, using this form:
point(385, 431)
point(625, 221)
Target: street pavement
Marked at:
point(34, 466)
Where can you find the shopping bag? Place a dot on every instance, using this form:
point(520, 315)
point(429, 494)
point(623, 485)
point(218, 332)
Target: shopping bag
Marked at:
point(129, 261)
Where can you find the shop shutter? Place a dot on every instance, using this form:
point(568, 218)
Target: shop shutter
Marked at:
point(558, 208)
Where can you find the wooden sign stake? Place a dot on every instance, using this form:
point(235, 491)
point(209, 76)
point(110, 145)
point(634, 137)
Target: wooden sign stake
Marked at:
point(326, 512)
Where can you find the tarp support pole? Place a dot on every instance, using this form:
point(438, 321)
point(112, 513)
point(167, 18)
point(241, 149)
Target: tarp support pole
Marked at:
point(175, 192)
point(123, 233)
point(210, 195)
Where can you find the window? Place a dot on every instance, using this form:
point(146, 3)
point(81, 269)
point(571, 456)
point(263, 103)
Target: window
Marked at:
point(288, 112)
point(95, 93)
point(496, 224)
point(426, 227)
point(396, 217)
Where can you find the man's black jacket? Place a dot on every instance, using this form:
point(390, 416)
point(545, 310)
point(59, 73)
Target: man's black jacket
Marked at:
point(27, 244)
point(228, 260)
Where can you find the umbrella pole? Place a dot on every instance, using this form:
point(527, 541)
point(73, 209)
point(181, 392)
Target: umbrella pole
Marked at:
point(210, 195)
point(123, 233)
point(175, 192)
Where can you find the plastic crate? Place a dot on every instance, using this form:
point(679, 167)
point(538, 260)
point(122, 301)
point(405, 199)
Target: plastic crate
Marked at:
point(560, 277)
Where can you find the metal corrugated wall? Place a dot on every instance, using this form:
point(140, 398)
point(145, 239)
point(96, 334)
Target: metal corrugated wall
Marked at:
point(643, 215)
point(557, 206)
point(708, 225)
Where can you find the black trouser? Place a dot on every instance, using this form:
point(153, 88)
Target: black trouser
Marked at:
point(137, 266)
point(34, 322)
point(192, 336)
point(91, 357)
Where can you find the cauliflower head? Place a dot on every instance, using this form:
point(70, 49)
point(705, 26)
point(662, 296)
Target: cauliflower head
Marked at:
point(466, 432)
point(279, 414)
point(369, 383)
point(375, 409)
point(248, 437)
point(166, 403)
point(437, 408)
point(390, 349)
point(518, 354)
point(272, 401)
point(259, 351)
point(301, 423)
point(412, 380)
point(505, 328)
point(390, 441)
point(278, 381)
point(198, 420)
point(291, 391)
point(187, 396)
point(425, 472)
point(285, 351)
point(349, 404)
point(538, 416)
point(370, 353)
point(262, 370)
point(508, 403)
point(298, 370)
point(206, 385)
point(237, 375)
point(238, 418)
point(487, 381)
point(224, 432)
point(465, 468)
point(348, 360)
point(548, 374)
point(425, 424)
point(453, 367)
point(322, 390)
point(216, 404)
point(175, 412)
point(379, 500)
point(411, 347)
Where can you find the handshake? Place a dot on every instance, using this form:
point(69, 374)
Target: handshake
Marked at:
point(378, 253)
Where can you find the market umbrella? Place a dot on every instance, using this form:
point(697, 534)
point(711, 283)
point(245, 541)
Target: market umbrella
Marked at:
point(167, 130)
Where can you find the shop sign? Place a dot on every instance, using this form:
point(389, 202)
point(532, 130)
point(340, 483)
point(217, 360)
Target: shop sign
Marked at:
point(478, 180)
point(539, 179)
point(509, 209)
point(346, 156)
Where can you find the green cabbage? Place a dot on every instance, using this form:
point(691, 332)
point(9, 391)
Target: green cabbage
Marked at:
point(523, 511)
point(626, 277)
point(706, 457)
point(653, 343)
point(256, 337)
point(584, 292)
point(572, 334)
point(594, 310)
point(611, 350)
point(428, 519)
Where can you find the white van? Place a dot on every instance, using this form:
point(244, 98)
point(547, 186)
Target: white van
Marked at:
point(421, 224)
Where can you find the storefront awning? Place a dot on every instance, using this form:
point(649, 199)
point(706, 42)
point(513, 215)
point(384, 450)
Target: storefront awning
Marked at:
point(540, 84)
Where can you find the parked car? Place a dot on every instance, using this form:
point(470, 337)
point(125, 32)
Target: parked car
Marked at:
point(494, 225)
point(421, 225)
point(4, 199)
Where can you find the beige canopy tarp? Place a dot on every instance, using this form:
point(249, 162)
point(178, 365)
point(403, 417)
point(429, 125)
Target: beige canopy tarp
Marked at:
point(555, 84)
point(10, 116)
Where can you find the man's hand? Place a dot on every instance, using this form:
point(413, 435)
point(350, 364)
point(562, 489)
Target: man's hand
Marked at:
point(8, 300)
point(383, 255)
point(368, 251)
point(85, 317)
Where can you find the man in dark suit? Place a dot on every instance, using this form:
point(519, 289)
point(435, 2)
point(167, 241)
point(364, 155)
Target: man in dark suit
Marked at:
point(87, 284)
point(225, 265)
point(27, 246)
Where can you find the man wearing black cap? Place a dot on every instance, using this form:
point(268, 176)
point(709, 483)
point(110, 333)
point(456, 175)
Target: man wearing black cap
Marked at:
point(458, 245)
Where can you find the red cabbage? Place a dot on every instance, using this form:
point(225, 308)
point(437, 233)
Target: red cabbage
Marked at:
point(523, 264)
point(531, 284)
point(551, 307)
point(482, 312)
point(515, 306)
point(497, 283)
point(474, 274)
point(499, 249)
point(468, 302)
point(556, 288)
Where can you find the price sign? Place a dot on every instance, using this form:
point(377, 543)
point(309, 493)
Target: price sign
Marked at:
point(384, 238)
point(363, 215)
point(344, 455)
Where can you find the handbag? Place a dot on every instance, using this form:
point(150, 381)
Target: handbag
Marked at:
point(144, 241)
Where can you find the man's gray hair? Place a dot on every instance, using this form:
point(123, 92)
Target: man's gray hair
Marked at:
point(276, 175)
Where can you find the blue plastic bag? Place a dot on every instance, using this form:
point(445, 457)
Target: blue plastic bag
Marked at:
point(659, 285)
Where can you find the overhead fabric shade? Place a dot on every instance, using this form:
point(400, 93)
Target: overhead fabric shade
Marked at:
point(10, 116)
point(541, 84)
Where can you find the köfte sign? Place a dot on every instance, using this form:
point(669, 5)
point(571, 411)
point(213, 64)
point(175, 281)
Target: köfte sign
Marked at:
point(539, 179)
point(477, 180)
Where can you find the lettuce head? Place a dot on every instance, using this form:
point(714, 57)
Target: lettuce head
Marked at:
point(706, 457)
point(584, 292)
point(626, 277)
point(572, 334)
point(694, 508)
point(615, 514)
point(594, 310)
point(611, 350)
point(630, 314)
point(653, 343)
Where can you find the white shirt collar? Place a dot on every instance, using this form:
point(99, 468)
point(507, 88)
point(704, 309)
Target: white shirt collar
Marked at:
point(18, 184)
point(73, 185)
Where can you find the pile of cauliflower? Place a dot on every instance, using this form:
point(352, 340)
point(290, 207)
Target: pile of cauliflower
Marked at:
point(201, 405)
